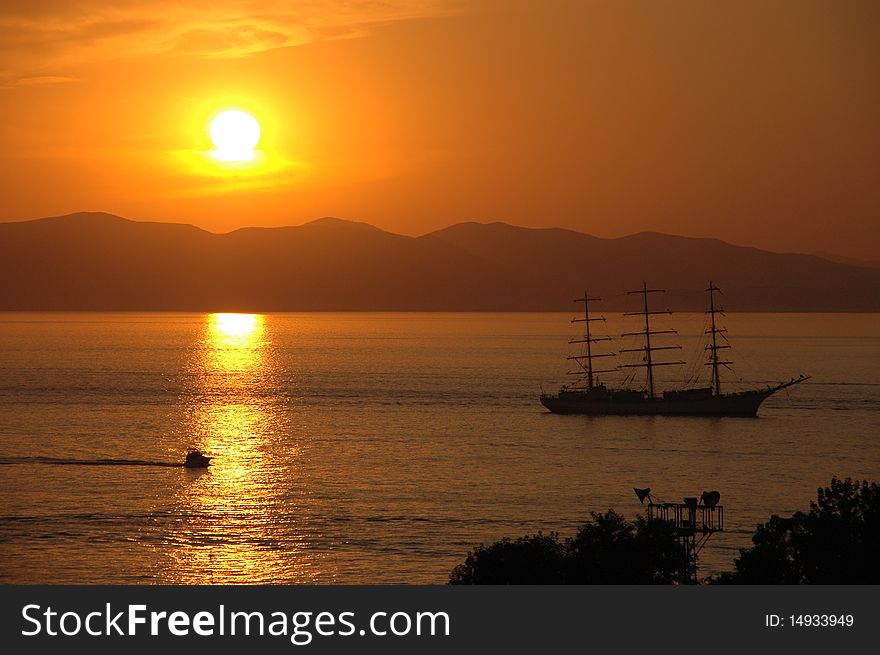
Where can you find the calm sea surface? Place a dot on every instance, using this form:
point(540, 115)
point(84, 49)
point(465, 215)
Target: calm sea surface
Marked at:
point(356, 448)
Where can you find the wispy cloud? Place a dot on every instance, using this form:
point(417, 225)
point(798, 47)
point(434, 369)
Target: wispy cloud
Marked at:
point(42, 80)
point(44, 38)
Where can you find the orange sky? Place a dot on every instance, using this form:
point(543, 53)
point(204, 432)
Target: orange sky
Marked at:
point(752, 121)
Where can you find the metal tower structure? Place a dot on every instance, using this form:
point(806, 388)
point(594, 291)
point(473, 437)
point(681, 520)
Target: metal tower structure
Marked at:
point(693, 520)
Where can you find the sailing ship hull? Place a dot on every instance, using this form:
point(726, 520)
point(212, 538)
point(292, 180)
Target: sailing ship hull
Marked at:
point(594, 398)
point(744, 404)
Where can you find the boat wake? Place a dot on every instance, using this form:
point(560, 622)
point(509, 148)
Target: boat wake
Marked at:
point(85, 462)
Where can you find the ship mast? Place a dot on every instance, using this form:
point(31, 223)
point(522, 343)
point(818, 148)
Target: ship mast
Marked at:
point(714, 347)
point(648, 360)
point(589, 339)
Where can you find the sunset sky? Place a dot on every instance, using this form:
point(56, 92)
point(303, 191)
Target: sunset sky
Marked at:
point(753, 121)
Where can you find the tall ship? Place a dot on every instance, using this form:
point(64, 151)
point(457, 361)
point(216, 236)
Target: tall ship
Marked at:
point(588, 395)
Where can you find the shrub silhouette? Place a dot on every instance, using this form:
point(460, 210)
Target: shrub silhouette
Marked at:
point(609, 550)
point(612, 550)
point(533, 559)
point(836, 542)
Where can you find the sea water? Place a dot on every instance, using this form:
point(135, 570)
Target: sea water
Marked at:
point(381, 447)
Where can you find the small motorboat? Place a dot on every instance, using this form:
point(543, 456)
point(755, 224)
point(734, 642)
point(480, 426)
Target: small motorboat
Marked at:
point(195, 460)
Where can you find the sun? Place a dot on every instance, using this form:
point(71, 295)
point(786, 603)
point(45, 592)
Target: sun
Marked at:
point(235, 134)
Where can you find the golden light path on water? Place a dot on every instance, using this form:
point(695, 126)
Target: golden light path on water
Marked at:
point(235, 529)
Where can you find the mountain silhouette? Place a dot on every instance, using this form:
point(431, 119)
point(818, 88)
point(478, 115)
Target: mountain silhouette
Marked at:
point(852, 261)
point(101, 262)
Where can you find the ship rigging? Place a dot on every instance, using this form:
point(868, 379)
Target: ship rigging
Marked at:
point(593, 397)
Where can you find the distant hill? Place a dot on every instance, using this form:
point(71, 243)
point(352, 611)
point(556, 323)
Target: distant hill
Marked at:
point(97, 261)
point(852, 261)
point(551, 263)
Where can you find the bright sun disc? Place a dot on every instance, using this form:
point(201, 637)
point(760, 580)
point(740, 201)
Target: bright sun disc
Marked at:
point(235, 135)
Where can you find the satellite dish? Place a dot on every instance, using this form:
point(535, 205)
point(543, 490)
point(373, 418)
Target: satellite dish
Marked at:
point(710, 498)
point(642, 494)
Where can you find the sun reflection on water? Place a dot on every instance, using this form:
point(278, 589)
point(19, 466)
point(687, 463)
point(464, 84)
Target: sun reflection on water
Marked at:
point(235, 329)
point(235, 343)
point(235, 527)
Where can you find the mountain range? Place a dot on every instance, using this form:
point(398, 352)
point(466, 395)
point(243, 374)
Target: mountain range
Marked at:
point(100, 262)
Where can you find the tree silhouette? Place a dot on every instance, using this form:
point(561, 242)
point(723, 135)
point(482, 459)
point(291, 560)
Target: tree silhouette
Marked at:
point(836, 542)
point(533, 559)
point(612, 550)
point(609, 550)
